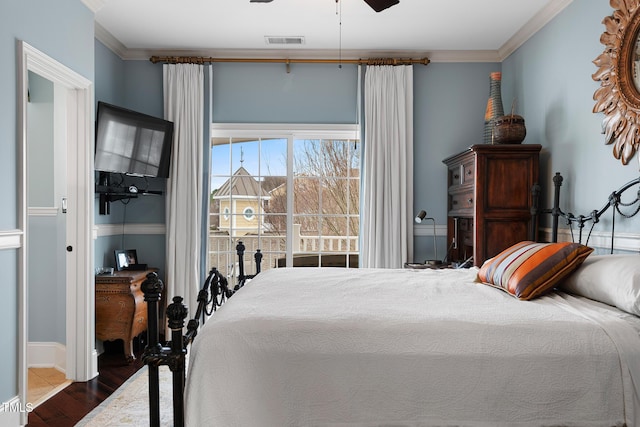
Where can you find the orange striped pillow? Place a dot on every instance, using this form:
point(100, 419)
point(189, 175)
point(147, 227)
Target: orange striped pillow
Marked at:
point(528, 269)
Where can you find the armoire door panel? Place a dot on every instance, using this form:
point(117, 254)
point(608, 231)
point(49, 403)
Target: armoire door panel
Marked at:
point(498, 235)
point(504, 178)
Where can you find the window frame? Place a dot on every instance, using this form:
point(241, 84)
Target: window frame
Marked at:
point(290, 132)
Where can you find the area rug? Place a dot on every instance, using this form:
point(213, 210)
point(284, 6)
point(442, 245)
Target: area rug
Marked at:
point(129, 404)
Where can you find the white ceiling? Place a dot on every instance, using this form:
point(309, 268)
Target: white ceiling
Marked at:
point(465, 30)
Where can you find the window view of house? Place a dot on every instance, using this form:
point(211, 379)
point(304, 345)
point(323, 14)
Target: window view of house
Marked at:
point(317, 223)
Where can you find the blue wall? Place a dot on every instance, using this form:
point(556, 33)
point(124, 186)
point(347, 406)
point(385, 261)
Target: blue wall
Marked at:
point(550, 76)
point(136, 85)
point(449, 105)
point(266, 93)
point(64, 30)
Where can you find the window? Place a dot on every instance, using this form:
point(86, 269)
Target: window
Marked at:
point(248, 213)
point(252, 170)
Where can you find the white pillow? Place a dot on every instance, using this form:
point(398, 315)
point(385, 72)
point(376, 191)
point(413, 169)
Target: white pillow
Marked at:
point(611, 279)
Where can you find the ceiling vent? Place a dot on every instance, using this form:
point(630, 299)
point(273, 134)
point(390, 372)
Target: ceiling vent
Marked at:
point(280, 40)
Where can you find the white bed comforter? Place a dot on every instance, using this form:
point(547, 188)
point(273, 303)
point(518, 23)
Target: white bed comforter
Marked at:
point(372, 347)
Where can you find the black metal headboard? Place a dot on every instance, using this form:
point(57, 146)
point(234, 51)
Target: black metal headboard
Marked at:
point(626, 209)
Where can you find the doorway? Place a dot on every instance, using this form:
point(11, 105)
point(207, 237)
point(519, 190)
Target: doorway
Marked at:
point(46, 263)
point(71, 111)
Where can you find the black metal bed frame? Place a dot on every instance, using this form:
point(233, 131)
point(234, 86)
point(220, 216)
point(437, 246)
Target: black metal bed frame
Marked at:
point(216, 291)
point(614, 201)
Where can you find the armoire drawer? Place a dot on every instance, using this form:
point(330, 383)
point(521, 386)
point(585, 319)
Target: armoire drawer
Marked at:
point(462, 174)
point(461, 202)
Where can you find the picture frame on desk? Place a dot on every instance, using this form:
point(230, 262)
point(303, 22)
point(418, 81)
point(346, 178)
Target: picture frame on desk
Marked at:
point(125, 258)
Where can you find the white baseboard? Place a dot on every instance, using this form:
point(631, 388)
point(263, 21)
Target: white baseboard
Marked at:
point(13, 412)
point(47, 355)
point(94, 363)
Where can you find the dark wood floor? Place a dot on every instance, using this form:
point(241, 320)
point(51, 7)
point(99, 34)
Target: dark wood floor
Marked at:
point(75, 401)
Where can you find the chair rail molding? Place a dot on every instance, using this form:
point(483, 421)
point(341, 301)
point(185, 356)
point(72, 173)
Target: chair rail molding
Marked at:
point(102, 230)
point(626, 242)
point(11, 239)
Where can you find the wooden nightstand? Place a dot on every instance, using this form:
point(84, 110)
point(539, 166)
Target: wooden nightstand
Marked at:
point(121, 311)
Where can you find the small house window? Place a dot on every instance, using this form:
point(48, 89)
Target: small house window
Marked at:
point(248, 213)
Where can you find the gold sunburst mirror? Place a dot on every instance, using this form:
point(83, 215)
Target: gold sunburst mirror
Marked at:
point(618, 96)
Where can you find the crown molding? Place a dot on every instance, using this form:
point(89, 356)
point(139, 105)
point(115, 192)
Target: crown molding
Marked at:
point(464, 56)
point(123, 53)
point(534, 25)
point(94, 5)
point(542, 18)
point(112, 43)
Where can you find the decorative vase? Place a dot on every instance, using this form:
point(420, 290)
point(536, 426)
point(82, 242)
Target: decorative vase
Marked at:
point(494, 106)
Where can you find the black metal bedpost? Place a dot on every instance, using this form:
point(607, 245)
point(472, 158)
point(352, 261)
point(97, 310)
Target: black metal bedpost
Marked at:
point(152, 288)
point(155, 354)
point(240, 251)
point(555, 212)
point(535, 211)
point(258, 258)
point(176, 313)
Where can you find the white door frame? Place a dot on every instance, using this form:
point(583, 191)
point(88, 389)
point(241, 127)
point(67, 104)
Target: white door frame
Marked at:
point(82, 360)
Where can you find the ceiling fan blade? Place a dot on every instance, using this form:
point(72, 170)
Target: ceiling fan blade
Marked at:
point(380, 5)
point(260, 1)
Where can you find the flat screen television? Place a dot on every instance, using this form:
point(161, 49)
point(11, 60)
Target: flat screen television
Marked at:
point(132, 143)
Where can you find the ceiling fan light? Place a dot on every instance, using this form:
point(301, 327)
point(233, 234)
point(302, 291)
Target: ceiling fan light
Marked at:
point(380, 5)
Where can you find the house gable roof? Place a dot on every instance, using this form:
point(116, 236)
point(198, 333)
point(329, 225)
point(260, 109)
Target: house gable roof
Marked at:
point(242, 183)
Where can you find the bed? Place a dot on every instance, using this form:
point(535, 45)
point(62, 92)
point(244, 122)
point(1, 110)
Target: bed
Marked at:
point(409, 348)
point(537, 336)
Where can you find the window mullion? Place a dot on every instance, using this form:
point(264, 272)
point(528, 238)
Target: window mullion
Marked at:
point(290, 196)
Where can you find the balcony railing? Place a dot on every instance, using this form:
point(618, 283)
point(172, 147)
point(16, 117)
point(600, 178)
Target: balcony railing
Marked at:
point(223, 255)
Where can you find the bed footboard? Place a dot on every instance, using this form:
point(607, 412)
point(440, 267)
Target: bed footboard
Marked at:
point(156, 355)
point(214, 292)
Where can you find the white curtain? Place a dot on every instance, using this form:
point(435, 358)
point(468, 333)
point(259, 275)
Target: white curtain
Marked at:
point(387, 209)
point(184, 106)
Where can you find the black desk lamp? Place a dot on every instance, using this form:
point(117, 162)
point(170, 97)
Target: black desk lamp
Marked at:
point(422, 216)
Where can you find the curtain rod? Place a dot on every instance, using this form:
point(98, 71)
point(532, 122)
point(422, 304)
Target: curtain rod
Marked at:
point(370, 61)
